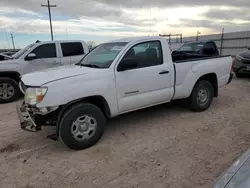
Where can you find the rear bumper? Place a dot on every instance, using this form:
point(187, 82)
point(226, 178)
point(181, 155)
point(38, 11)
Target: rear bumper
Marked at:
point(26, 120)
point(230, 78)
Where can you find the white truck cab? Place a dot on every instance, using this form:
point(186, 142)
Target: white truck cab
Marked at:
point(35, 57)
point(115, 78)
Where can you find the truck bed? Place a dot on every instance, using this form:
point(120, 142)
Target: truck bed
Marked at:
point(188, 71)
point(196, 57)
point(184, 56)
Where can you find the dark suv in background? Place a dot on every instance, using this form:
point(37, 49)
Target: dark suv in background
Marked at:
point(242, 64)
point(195, 50)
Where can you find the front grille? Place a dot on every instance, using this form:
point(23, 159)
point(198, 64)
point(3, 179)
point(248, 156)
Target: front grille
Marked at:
point(23, 87)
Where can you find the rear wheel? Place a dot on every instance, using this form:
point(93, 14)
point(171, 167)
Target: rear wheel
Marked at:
point(202, 96)
point(82, 126)
point(9, 90)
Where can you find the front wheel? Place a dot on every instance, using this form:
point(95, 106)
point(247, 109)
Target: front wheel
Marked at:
point(202, 96)
point(9, 90)
point(82, 126)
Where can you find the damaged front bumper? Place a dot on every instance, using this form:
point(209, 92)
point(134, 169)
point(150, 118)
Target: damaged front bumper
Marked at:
point(32, 119)
point(27, 121)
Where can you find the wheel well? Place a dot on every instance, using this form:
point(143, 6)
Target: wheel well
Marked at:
point(100, 102)
point(13, 75)
point(97, 100)
point(212, 78)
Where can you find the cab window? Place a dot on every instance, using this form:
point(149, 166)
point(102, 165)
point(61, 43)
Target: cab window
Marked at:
point(45, 51)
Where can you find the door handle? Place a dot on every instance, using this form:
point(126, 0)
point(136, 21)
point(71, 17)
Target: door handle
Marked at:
point(164, 72)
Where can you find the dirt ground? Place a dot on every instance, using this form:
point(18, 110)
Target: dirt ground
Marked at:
point(167, 146)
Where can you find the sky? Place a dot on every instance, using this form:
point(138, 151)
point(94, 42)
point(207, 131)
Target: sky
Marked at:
point(104, 20)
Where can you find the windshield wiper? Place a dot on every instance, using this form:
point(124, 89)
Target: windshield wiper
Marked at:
point(90, 65)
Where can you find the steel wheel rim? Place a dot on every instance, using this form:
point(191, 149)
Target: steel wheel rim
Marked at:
point(6, 91)
point(203, 97)
point(84, 127)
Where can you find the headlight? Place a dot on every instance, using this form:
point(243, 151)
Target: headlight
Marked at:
point(34, 95)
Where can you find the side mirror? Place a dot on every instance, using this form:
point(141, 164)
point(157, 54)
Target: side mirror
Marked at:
point(127, 64)
point(30, 57)
point(249, 48)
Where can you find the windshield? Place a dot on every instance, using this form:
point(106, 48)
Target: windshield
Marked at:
point(22, 51)
point(103, 55)
point(191, 47)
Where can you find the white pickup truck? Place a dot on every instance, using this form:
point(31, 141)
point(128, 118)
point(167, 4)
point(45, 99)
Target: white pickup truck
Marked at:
point(37, 56)
point(113, 79)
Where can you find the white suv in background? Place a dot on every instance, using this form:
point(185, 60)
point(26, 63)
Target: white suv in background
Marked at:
point(37, 56)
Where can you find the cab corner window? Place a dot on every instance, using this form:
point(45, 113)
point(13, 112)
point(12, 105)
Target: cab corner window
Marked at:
point(72, 49)
point(209, 49)
point(45, 51)
point(144, 55)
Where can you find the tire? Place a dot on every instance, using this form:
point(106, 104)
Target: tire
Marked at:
point(12, 85)
point(194, 100)
point(72, 115)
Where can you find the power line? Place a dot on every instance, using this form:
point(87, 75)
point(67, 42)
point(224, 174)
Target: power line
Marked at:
point(50, 6)
point(13, 43)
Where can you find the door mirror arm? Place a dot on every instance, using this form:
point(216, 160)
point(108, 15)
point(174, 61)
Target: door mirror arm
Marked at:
point(127, 64)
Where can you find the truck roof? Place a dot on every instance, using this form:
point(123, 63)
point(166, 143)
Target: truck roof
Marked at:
point(60, 41)
point(133, 39)
point(197, 42)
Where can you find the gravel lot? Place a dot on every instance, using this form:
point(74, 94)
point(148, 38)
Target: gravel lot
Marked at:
point(164, 146)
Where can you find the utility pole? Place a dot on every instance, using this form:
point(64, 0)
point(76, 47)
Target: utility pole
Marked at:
point(221, 41)
point(13, 43)
point(197, 36)
point(150, 24)
point(50, 6)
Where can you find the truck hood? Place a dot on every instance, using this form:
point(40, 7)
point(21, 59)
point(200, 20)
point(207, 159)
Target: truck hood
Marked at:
point(9, 57)
point(9, 61)
point(42, 77)
point(10, 65)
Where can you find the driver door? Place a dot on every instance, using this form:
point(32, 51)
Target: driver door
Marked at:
point(45, 57)
point(146, 84)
